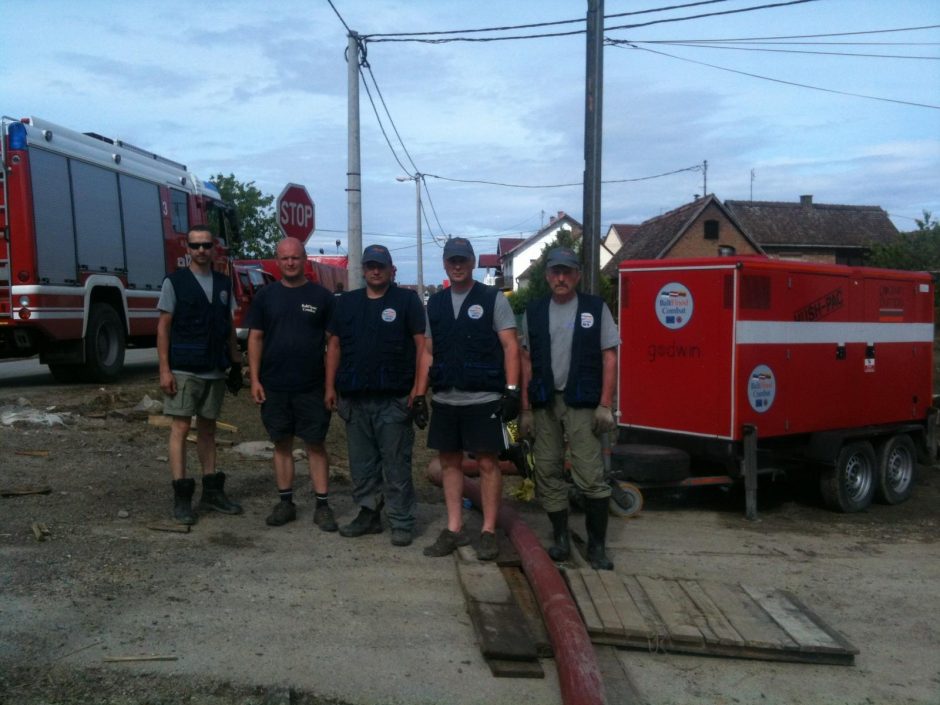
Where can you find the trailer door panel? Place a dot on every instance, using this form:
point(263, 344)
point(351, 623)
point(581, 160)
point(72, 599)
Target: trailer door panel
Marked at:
point(97, 218)
point(52, 213)
point(143, 233)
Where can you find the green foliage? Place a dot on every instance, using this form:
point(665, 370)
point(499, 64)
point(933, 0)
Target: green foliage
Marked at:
point(915, 250)
point(537, 286)
point(255, 213)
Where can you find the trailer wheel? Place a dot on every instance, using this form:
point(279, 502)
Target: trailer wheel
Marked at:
point(104, 344)
point(626, 500)
point(897, 468)
point(850, 485)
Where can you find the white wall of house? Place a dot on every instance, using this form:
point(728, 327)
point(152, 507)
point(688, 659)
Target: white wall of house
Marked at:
point(525, 254)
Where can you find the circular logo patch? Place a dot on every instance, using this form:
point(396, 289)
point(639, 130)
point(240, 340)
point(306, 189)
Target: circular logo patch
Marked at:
point(587, 320)
point(674, 305)
point(389, 315)
point(761, 388)
point(475, 311)
point(223, 297)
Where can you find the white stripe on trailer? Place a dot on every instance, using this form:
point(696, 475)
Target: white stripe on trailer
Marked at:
point(802, 332)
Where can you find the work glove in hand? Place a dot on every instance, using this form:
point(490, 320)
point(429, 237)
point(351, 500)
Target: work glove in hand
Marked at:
point(510, 405)
point(419, 411)
point(526, 424)
point(234, 381)
point(603, 421)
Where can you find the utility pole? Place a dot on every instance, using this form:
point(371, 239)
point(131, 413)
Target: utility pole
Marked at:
point(593, 128)
point(353, 175)
point(752, 184)
point(704, 178)
point(417, 178)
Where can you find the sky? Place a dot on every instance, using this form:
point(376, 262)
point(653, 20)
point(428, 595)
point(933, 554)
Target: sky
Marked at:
point(259, 90)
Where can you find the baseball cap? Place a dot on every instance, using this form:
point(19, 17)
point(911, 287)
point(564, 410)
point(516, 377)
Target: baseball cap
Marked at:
point(377, 253)
point(563, 257)
point(458, 247)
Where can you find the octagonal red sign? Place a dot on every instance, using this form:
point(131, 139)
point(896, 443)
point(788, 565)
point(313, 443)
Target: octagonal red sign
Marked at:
point(296, 214)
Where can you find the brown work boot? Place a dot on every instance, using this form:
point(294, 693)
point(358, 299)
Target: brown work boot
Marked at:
point(447, 542)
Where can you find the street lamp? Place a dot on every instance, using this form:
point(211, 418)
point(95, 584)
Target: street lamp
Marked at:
point(417, 179)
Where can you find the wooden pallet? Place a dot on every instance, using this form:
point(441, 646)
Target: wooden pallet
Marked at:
point(703, 617)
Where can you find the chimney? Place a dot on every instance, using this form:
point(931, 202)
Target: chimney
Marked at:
point(551, 219)
point(806, 200)
point(561, 214)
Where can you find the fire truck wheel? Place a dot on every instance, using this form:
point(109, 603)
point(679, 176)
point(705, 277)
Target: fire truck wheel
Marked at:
point(104, 344)
point(849, 486)
point(626, 500)
point(897, 468)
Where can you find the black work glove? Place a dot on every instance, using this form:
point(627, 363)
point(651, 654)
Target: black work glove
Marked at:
point(419, 411)
point(234, 381)
point(511, 404)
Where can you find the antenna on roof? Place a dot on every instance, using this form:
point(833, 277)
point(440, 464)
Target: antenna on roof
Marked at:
point(753, 174)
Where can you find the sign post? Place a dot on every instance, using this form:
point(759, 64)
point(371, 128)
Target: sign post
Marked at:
point(296, 214)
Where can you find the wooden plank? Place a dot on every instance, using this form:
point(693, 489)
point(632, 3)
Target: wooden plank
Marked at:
point(170, 526)
point(672, 609)
point(483, 582)
point(748, 619)
point(836, 635)
point(525, 598)
point(721, 630)
point(129, 659)
point(32, 453)
point(602, 603)
point(503, 668)
point(657, 630)
point(792, 620)
point(582, 598)
point(23, 490)
point(630, 617)
point(501, 631)
point(618, 685)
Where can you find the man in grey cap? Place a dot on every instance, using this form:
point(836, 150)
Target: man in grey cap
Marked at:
point(569, 362)
point(375, 346)
point(473, 367)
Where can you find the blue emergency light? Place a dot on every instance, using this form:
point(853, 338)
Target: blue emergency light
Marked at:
point(17, 133)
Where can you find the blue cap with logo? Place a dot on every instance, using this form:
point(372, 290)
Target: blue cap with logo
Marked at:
point(562, 257)
point(458, 247)
point(378, 254)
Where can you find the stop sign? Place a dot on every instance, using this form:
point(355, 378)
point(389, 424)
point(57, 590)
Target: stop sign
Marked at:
point(295, 212)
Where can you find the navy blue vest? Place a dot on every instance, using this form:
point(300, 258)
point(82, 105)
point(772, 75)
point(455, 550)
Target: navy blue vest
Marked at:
point(467, 352)
point(200, 329)
point(585, 375)
point(378, 351)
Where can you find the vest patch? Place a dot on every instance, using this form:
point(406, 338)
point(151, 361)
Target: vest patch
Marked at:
point(475, 312)
point(389, 315)
point(587, 320)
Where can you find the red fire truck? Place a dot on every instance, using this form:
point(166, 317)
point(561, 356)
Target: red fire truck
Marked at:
point(750, 365)
point(90, 226)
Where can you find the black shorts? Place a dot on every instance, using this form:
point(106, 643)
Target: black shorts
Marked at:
point(476, 428)
point(300, 414)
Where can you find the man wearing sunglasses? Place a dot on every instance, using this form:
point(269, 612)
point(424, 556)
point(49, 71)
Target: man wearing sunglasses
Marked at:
point(196, 344)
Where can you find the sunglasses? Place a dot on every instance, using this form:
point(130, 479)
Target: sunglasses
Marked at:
point(200, 245)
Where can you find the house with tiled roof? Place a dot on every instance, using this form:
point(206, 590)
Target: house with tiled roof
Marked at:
point(696, 229)
point(517, 263)
point(615, 238)
point(814, 232)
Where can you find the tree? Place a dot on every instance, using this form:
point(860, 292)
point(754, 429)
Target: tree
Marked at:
point(255, 213)
point(538, 286)
point(915, 250)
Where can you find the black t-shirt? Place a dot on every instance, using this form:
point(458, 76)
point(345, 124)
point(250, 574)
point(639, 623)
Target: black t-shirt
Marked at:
point(293, 320)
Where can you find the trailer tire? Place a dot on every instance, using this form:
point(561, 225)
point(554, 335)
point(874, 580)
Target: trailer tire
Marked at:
point(626, 499)
point(648, 463)
point(104, 344)
point(897, 469)
point(849, 486)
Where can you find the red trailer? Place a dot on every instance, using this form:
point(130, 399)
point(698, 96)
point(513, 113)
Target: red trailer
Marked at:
point(749, 364)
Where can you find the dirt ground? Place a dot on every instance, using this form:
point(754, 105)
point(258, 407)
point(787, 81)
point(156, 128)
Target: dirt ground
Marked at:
point(106, 467)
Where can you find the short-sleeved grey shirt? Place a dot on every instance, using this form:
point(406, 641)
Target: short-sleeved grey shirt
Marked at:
point(503, 318)
point(561, 322)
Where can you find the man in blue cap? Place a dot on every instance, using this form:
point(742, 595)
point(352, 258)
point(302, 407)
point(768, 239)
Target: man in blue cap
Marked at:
point(473, 366)
point(569, 363)
point(375, 346)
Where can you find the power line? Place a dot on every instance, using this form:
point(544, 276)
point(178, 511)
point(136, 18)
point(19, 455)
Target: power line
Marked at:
point(699, 45)
point(623, 44)
point(697, 167)
point(339, 16)
point(816, 36)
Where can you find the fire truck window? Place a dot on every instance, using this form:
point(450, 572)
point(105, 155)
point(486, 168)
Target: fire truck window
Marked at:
point(179, 212)
point(52, 211)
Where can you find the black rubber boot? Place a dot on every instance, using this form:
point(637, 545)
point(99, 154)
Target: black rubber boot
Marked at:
point(561, 550)
point(595, 522)
point(183, 500)
point(213, 495)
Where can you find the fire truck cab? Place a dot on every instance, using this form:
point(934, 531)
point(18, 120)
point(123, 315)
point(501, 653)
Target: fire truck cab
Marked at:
point(89, 228)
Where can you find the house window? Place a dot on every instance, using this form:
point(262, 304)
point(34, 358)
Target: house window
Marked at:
point(711, 229)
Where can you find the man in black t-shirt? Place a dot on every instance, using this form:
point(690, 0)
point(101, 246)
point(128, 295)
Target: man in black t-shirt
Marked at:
point(286, 344)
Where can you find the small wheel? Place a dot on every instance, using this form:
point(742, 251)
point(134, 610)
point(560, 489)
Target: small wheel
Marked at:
point(626, 499)
point(104, 344)
point(849, 486)
point(897, 468)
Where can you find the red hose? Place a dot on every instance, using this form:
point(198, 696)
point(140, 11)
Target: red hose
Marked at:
point(579, 676)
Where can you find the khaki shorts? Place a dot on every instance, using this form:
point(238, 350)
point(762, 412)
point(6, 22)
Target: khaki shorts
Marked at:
point(195, 395)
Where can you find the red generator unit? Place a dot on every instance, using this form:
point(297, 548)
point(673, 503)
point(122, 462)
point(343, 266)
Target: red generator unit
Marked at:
point(751, 365)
